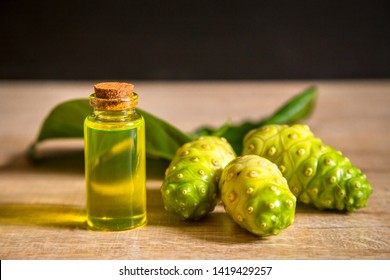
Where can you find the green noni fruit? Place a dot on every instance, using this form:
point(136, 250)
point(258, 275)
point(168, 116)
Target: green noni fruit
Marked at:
point(316, 173)
point(256, 195)
point(190, 188)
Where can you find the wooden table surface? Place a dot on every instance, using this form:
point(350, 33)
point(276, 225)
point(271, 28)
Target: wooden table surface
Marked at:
point(42, 206)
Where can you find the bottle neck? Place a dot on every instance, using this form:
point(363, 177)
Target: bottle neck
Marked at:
point(115, 116)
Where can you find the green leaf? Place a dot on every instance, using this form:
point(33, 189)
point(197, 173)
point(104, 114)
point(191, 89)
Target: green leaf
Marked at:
point(162, 138)
point(294, 110)
point(66, 121)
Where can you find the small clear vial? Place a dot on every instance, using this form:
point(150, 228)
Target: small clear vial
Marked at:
point(115, 163)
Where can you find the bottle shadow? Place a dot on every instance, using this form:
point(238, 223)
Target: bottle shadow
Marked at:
point(216, 226)
point(48, 215)
point(55, 161)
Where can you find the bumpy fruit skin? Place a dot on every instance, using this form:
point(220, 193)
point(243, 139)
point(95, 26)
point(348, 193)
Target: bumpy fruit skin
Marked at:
point(256, 195)
point(190, 188)
point(316, 173)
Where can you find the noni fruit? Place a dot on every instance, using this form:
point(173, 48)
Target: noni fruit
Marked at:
point(190, 188)
point(256, 195)
point(316, 173)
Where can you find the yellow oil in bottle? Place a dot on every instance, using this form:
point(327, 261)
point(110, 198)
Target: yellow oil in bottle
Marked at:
point(115, 170)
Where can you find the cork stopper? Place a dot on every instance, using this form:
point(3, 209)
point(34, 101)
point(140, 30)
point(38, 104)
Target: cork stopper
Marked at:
point(113, 96)
point(113, 90)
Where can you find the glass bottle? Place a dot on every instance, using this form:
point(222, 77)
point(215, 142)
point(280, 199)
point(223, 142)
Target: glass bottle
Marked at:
point(115, 171)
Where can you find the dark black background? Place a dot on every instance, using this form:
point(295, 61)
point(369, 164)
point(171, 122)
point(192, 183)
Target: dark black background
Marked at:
point(194, 39)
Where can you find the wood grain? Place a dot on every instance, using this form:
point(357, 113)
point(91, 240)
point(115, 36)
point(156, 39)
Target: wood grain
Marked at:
point(42, 206)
